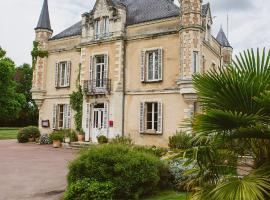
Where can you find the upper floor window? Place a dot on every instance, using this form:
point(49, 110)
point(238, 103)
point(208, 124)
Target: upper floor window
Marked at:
point(106, 26)
point(151, 65)
point(99, 70)
point(195, 62)
point(62, 74)
point(97, 29)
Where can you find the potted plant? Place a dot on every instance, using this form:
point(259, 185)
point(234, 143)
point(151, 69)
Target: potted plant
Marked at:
point(81, 136)
point(32, 132)
point(57, 138)
point(67, 134)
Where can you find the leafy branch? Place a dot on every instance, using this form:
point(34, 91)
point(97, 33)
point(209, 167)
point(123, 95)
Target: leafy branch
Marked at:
point(36, 52)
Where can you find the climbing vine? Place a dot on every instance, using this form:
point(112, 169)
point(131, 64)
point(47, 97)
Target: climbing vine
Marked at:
point(37, 53)
point(76, 102)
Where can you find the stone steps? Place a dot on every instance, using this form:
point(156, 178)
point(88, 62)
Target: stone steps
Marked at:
point(80, 145)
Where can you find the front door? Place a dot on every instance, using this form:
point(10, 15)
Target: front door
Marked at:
point(98, 121)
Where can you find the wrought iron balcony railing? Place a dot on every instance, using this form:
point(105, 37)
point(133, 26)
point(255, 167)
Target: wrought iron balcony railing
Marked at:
point(97, 86)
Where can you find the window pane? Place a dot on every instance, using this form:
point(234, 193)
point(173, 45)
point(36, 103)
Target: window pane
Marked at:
point(150, 66)
point(156, 64)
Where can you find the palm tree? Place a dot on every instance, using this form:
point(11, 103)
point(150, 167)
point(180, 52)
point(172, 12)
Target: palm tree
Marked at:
point(235, 122)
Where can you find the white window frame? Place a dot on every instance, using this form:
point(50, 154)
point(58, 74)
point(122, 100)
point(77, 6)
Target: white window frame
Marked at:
point(153, 113)
point(63, 74)
point(195, 62)
point(155, 67)
point(58, 116)
point(106, 28)
point(97, 29)
point(102, 66)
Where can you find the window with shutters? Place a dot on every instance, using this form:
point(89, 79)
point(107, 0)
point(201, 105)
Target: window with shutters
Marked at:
point(97, 29)
point(151, 65)
point(106, 26)
point(151, 118)
point(61, 116)
point(63, 72)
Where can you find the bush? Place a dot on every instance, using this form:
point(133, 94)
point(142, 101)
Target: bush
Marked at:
point(69, 133)
point(86, 189)
point(134, 173)
point(28, 132)
point(159, 152)
point(45, 139)
point(102, 139)
point(57, 135)
point(180, 141)
point(22, 136)
point(121, 140)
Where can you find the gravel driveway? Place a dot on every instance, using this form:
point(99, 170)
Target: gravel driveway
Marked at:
point(30, 171)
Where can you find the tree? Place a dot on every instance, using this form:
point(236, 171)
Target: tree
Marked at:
point(235, 122)
point(10, 100)
point(29, 112)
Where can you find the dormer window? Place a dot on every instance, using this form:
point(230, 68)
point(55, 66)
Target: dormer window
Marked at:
point(97, 29)
point(106, 26)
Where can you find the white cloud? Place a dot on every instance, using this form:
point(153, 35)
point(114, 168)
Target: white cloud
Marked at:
point(248, 22)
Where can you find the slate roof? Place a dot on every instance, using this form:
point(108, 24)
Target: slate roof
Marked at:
point(222, 39)
point(205, 8)
point(44, 18)
point(138, 11)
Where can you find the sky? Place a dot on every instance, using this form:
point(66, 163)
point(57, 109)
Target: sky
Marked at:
point(249, 22)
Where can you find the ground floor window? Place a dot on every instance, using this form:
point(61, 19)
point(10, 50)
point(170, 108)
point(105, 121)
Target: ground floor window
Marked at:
point(151, 117)
point(61, 116)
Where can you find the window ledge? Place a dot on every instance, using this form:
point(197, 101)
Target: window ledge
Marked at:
point(150, 132)
point(64, 87)
point(149, 82)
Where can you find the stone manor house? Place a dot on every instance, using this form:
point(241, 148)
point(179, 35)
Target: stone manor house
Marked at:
point(135, 59)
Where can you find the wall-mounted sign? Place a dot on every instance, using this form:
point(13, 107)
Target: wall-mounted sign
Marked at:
point(45, 123)
point(111, 123)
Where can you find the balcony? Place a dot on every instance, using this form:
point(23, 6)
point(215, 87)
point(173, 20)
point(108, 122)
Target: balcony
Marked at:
point(97, 86)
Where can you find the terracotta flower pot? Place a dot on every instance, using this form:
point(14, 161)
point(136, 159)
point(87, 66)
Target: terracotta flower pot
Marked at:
point(31, 139)
point(56, 143)
point(81, 138)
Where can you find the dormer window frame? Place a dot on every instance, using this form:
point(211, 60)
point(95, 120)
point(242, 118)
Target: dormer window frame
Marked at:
point(106, 26)
point(97, 29)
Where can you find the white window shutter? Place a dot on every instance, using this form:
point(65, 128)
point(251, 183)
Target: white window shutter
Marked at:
point(106, 61)
point(57, 74)
point(142, 121)
point(54, 121)
point(143, 53)
point(68, 116)
point(65, 118)
point(160, 118)
point(68, 73)
point(160, 64)
point(106, 115)
point(87, 117)
point(91, 67)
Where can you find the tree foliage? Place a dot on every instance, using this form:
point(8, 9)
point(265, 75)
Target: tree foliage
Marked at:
point(10, 100)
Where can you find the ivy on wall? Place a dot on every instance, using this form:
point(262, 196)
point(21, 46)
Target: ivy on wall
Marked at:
point(76, 102)
point(37, 53)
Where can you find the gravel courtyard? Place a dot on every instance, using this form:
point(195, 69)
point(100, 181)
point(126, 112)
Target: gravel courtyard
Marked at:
point(30, 171)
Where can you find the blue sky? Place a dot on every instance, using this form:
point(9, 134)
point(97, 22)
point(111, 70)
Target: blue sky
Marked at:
point(249, 24)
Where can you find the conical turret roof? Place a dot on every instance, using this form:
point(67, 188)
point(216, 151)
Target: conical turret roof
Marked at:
point(222, 39)
point(44, 18)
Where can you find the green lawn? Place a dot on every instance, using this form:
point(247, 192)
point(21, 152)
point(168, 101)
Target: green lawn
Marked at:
point(8, 133)
point(168, 195)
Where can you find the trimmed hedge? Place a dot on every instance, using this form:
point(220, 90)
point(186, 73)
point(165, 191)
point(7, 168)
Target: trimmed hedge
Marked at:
point(134, 173)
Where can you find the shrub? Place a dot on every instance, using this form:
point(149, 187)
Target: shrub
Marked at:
point(28, 132)
point(57, 135)
point(159, 152)
point(86, 189)
point(121, 140)
point(69, 133)
point(45, 139)
point(22, 136)
point(180, 141)
point(102, 139)
point(134, 173)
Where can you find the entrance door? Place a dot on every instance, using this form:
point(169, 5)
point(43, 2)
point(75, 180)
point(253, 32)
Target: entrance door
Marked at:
point(98, 121)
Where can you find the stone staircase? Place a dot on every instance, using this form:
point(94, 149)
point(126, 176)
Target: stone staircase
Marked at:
point(77, 145)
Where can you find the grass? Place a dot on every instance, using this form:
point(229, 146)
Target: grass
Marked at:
point(168, 195)
point(8, 133)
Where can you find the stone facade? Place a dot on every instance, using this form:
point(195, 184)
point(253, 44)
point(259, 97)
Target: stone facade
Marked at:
point(121, 99)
